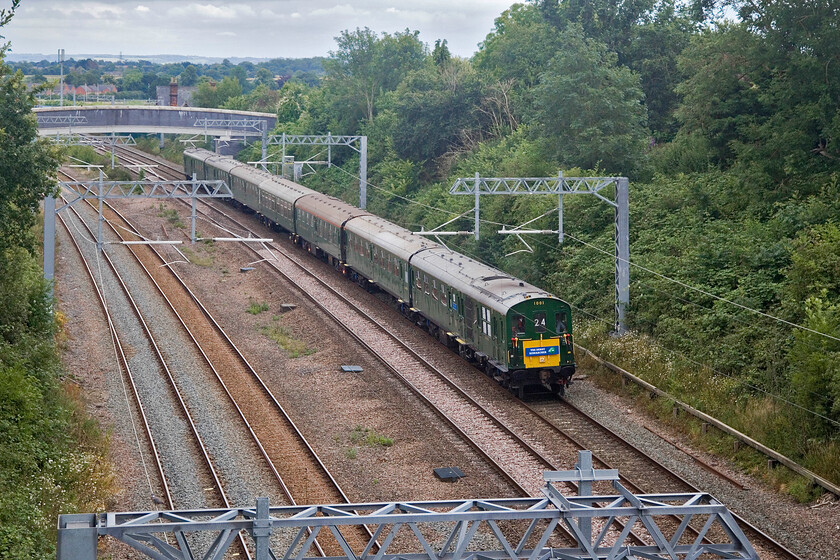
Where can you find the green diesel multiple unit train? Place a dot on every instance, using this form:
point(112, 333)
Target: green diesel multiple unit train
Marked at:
point(517, 333)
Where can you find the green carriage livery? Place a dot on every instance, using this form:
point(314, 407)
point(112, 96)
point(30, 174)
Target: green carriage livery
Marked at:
point(379, 251)
point(521, 335)
point(517, 333)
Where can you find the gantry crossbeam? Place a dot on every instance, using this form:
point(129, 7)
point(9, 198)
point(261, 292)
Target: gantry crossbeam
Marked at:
point(357, 143)
point(144, 189)
point(511, 529)
point(560, 186)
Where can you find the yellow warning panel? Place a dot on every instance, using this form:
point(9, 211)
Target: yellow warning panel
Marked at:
point(541, 353)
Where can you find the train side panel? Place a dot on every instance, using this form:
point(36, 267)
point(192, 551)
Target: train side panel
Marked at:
point(380, 251)
point(277, 200)
point(319, 221)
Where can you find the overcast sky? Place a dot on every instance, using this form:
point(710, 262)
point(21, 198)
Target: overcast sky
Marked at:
point(282, 28)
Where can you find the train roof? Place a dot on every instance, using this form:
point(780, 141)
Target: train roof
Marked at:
point(487, 285)
point(329, 208)
point(391, 237)
point(273, 184)
point(284, 189)
point(224, 163)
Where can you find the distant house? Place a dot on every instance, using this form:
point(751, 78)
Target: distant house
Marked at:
point(81, 91)
point(174, 95)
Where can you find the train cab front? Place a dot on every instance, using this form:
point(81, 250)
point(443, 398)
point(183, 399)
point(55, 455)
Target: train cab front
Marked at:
point(541, 350)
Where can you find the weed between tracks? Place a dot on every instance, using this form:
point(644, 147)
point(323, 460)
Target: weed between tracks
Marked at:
point(256, 308)
point(293, 347)
point(171, 216)
point(364, 437)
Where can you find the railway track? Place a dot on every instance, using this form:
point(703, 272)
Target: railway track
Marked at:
point(305, 479)
point(534, 440)
point(522, 441)
point(210, 476)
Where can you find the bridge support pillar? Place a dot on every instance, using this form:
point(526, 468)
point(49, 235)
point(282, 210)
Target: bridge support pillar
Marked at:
point(161, 140)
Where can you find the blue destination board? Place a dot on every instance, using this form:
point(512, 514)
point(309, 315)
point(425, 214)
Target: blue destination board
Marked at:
point(542, 351)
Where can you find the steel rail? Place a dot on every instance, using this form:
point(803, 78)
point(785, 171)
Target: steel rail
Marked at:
point(773, 544)
point(124, 365)
point(241, 358)
point(172, 383)
point(458, 390)
point(278, 477)
point(776, 547)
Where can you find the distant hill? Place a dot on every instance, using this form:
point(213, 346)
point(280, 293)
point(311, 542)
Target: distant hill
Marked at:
point(156, 58)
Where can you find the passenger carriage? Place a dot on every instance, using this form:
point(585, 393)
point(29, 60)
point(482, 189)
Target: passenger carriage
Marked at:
point(380, 251)
point(520, 334)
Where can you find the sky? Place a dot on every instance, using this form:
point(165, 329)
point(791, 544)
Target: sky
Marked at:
point(261, 29)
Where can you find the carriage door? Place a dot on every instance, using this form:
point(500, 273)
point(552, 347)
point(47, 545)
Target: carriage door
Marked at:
point(469, 318)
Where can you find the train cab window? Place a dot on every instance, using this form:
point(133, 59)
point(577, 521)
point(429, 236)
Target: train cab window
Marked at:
point(539, 322)
point(519, 325)
point(560, 323)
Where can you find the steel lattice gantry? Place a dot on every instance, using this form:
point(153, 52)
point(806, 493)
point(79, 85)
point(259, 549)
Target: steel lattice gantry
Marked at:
point(625, 526)
point(102, 190)
point(504, 529)
point(329, 140)
point(561, 186)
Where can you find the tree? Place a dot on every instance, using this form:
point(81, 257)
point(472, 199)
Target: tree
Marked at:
point(214, 95)
point(189, 76)
point(764, 96)
point(292, 102)
point(27, 163)
point(265, 78)
point(433, 107)
point(364, 67)
point(441, 54)
point(241, 75)
point(589, 110)
point(519, 47)
point(653, 52)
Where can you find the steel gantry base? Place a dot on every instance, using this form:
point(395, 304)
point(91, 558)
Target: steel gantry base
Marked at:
point(513, 529)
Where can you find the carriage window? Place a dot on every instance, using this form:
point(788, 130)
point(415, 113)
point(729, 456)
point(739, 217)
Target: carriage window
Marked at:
point(417, 280)
point(559, 323)
point(539, 322)
point(434, 289)
point(486, 326)
point(426, 284)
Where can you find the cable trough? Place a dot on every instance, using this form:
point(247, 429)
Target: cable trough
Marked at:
point(516, 529)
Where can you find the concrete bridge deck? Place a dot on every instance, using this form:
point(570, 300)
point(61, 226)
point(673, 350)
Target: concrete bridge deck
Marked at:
point(126, 119)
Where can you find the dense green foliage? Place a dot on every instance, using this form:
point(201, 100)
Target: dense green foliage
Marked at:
point(728, 131)
point(50, 454)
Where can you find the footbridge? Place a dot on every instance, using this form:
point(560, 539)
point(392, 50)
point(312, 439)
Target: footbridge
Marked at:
point(128, 119)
